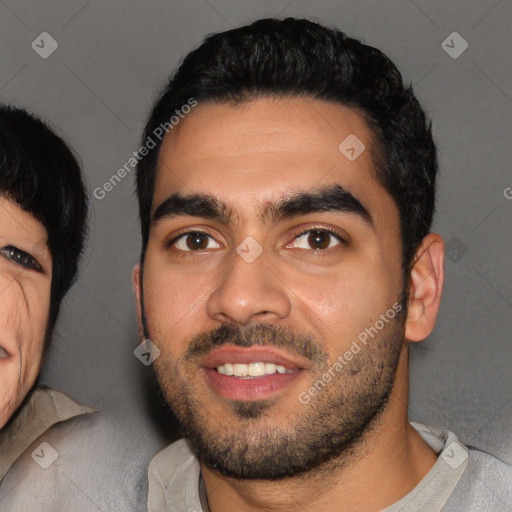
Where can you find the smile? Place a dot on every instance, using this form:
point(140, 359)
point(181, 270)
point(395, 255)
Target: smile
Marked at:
point(251, 373)
point(257, 369)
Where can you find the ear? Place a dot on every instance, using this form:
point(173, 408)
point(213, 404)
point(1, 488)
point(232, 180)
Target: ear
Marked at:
point(136, 291)
point(425, 288)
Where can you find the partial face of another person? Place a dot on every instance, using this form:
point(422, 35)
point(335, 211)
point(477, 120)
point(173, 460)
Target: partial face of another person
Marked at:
point(270, 253)
point(25, 281)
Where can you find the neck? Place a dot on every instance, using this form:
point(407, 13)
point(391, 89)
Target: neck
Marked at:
point(385, 465)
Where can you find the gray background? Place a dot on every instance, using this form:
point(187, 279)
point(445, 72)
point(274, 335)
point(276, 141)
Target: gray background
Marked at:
point(97, 89)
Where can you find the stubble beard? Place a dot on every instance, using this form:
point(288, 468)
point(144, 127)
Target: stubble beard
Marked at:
point(246, 444)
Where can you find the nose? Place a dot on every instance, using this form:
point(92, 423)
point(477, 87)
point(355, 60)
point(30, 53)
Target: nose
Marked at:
point(248, 292)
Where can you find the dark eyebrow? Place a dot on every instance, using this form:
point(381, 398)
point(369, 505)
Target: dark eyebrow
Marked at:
point(332, 198)
point(195, 205)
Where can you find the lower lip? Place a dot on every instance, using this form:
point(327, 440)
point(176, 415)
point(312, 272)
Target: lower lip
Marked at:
point(255, 388)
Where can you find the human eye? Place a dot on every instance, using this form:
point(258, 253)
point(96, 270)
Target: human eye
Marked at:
point(194, 241)
point(21, 258)
point(317, 239)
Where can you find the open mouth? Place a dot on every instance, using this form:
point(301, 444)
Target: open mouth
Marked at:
point(3, 353)
point(251, 370)
point(251, 373)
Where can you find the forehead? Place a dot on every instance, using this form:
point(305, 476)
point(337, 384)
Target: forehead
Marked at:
point(21, 227)
point(262, 150)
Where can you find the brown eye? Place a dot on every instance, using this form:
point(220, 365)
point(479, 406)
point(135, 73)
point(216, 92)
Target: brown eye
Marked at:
point(319, 239)
point(195, 241)
point(316, 240)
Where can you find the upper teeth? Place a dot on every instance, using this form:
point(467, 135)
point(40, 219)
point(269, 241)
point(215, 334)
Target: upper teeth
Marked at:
point(251, 369)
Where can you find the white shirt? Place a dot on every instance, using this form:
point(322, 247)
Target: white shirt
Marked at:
point(59, 456)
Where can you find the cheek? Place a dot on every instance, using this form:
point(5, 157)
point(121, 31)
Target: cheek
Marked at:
point(174, 303)
point(14, 310)
point(23, 316)
point(339, 305)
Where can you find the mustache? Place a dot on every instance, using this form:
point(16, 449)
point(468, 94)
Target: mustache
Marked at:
point(302, 344)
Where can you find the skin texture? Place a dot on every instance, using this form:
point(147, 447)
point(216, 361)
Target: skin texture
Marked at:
point(24, 304)
point(249, 156)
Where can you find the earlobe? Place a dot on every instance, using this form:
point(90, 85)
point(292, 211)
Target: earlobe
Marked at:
point(425, 288)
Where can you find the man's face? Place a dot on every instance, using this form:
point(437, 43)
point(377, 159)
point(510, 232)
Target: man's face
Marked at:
point(25, 279)
point(269, 253)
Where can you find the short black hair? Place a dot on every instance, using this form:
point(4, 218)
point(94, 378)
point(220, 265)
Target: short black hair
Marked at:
point(41, 174)
point(297, 57)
